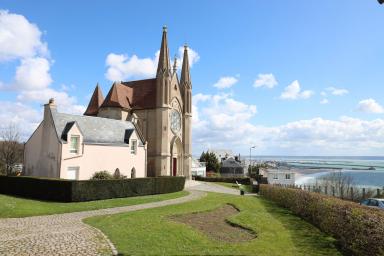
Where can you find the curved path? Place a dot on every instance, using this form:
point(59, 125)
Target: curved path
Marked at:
point(66, 234)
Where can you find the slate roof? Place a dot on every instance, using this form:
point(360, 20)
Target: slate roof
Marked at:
point(94, 129)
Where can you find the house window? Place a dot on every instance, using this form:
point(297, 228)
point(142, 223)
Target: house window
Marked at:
point(275, 176)
point(133, 147)
point(74, 144)
point(287, 176)
point(73, 173)
point(133, 173)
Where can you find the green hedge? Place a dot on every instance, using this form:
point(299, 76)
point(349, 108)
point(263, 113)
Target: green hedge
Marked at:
point(241, 180)
point(359, 229)
point(87, 190)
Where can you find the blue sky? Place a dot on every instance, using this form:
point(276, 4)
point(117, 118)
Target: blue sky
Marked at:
point(318, 66)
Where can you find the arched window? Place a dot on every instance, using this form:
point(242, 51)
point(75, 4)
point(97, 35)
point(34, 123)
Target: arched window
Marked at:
point(133, 173)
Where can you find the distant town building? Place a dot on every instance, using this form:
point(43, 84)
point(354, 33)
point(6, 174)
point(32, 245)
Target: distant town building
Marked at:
point(198, 168)
point(222, 154)
point(279, 176)
point(231, 167)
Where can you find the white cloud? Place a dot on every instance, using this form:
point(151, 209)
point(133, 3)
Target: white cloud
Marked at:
point(370, 106)
point(64, 102)
point(225, 82)
point(294, 92)
point(324, 101)
point(23, 116)
point(337, 91)
point(33, 74)
point(324, 94)
point(223, 122)
point(266, 80)
point(122, 67)
point(19, 38)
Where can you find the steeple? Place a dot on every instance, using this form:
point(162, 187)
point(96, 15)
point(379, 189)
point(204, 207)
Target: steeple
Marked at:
point(164, 62)
point(95, 102)
point(185, 79)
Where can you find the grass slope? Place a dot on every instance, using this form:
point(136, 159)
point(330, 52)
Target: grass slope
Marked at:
point(14, 207)
point(247, 188)
point(151, 232)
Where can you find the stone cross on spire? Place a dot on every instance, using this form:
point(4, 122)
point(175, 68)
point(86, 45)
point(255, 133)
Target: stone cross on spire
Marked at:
point(164, 62)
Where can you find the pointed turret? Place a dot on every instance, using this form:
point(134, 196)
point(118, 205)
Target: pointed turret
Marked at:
point(95, 102)
point(186, 83)
point(185, 79)
point(164, 71)
point(164, 65)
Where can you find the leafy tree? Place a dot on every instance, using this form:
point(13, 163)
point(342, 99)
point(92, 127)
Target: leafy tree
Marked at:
point(212, 163)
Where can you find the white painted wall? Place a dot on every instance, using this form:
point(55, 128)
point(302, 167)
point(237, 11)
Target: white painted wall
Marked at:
point(46, 156)
point(281, 177)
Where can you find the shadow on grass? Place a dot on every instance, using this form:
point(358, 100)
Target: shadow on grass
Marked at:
point(304, 235)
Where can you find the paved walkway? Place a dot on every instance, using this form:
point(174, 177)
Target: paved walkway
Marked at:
point(66, 234)
point(210, 187)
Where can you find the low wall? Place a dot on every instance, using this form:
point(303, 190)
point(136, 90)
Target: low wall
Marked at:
point(87, 190)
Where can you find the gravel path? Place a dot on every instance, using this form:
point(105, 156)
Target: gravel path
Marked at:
point(66, 234)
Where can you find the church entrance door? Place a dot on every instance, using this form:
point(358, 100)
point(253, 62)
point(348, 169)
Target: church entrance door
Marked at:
point(174, 166)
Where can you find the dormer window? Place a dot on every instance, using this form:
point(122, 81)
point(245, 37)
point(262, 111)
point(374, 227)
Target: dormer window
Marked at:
point(133, 147)
point(74, 144)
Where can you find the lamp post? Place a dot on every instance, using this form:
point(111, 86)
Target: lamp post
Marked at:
point(250, 159)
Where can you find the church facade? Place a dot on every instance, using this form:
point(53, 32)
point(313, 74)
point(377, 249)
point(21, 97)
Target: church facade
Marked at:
point(161, 110)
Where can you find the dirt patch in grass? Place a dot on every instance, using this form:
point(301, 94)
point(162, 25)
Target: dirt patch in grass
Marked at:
point(215, 224)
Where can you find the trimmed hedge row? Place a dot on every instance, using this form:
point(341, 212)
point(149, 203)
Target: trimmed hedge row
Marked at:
point(87, 190)
point(241, 180)
point(360, 230)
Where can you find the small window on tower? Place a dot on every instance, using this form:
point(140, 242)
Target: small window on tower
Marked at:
point(133, 147)
point(74, 144)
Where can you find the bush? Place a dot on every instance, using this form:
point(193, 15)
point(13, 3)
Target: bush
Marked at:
point(87, 190)
point(241, 180)
point(360, 230)
point(102, 175)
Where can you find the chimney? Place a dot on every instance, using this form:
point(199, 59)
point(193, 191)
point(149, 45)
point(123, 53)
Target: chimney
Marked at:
point(49, 108)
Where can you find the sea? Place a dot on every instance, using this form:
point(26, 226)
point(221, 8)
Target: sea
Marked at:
point(365, 171)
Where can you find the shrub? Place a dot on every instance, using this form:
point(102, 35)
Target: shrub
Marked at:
point(360, 230)
point(87, 190)
point(241, 180)
point(102, 175)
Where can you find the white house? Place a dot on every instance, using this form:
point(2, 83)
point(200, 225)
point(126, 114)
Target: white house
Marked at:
point(75, 147)
point(198, 168)
point(279, 176)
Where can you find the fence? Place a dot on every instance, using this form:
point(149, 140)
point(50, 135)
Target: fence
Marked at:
point(347, 193)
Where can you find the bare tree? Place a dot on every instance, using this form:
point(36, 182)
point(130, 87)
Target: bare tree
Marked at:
point(339, 184)
point(11, 150)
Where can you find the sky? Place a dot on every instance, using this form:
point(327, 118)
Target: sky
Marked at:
point(296, 77)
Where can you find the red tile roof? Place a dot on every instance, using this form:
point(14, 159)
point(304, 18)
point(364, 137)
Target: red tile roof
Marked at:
point(95, 102)
point(140, 94)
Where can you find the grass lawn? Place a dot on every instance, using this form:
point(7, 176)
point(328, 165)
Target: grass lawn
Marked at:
point(13, 207)
point(152, 231)
point(248, 188)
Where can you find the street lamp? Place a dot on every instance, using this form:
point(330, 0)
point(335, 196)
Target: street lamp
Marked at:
point(250, 160)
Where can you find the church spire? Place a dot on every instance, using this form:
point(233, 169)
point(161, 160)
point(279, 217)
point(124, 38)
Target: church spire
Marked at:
point(185, 79)
point(95, 102)
point(164, 62)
